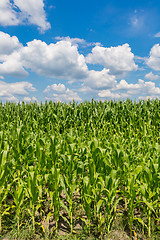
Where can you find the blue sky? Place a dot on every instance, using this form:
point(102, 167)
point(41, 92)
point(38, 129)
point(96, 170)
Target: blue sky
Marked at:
point(63, 50)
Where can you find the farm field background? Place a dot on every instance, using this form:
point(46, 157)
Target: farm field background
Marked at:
point(84, 165)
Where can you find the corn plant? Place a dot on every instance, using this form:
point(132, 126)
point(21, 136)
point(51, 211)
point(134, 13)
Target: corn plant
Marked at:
point(150, 192)
point(18, 196)
point(87, 202)
point(69, 184)
point(110, 198)
point(88, 161)
point(4, 186)
point(131, 193)
point(54, 193)
point(32, 192)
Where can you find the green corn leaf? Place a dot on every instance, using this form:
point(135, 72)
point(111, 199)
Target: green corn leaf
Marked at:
point(141, 221)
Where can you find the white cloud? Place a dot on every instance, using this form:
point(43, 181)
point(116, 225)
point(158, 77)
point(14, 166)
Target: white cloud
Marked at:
point(154, 59)
point(10, 99)
point(85, 89)
point(8, 15)
point(99, 79)
point(134, 21)
point(60, 60)
point(63, 61)
point(74, 41)
point(8, 44)
point(20, 12)
point(148, 97)
point(137, 20)
point(33, 11)
point(109, 94)
point(10, 91)
point(78, 41)
point(123, 85)
point(123, 89)
point(139, 59)
point(60, 88)
point(118, 59)
point(151, 76)
point(28, 99)
point(157, 35)
point(140, 88)
point(60, 93)
point(12, 66)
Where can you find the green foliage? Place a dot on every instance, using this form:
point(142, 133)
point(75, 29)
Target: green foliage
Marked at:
point(90, 162)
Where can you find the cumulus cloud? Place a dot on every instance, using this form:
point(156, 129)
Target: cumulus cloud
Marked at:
point(12, 66)
point(10, 91)
point(60, 60)
point(123, 85)
point(154, 59)
point(8, 15)
point(59, 88)
point(28, 99)
point(20, 12)
point(109, 94)
point(99, 79)
point(10, 99)
point(58, 92)
point(140, 88)
point(147, 97)
point(151, 76)
point(123, 89)
point(63, 61)
point(33, 11)
point(8, 44)
point(118, 59)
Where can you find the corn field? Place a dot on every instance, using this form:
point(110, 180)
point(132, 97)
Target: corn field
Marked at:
point(90, 163)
